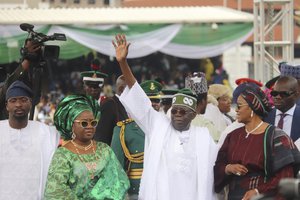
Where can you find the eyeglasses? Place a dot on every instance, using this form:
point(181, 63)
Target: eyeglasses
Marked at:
point(21, 99)
point(174, 111)
point(85, 123)
point(282, 94)
point(238, 106)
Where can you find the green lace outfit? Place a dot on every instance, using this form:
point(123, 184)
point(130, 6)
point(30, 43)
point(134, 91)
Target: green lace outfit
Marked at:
point(69, 177)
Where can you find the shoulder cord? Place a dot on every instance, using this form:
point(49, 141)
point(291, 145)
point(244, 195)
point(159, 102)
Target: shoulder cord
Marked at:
point(135, 158)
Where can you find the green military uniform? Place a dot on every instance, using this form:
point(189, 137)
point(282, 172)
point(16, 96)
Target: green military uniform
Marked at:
point(128, 142)
point(129, 149)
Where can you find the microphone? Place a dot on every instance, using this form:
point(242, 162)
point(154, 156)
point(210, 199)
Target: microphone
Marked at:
point(26, 27)
point(289, 188)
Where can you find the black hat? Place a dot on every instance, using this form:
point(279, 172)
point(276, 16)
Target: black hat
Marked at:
point(18, 89)
point(271, 82)
point(168, 93)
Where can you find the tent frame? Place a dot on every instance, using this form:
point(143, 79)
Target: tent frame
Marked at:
point(265, 61)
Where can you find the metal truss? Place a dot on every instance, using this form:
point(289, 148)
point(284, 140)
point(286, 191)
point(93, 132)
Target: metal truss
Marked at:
point(268, 52)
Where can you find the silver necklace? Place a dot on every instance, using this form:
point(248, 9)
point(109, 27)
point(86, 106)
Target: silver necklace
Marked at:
point(249, 132)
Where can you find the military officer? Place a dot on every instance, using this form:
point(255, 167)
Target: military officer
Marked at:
point(128, 141)
point(166, 99)
point(93, 83)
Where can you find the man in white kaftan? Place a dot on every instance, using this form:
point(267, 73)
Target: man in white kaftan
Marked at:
point(26, 148)
point(25, 155)
point(177, 165)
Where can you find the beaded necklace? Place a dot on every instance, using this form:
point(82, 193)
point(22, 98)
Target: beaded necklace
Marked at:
point(91, 166)
point(85, 148)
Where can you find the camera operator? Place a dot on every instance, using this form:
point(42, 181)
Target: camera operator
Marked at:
point(21, 73)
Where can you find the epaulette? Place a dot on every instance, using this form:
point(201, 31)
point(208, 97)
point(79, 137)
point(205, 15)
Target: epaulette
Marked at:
point(123, 122)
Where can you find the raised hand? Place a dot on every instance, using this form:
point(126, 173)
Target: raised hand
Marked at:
point(121, 47)
point(32, 47)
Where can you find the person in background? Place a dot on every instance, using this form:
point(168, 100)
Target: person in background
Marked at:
point(112, 111)
point(223, 95)
point(218, 103)
point(166, 99)
point(83, 168)
point(178, 157)
point(26, 147)
point(286, 114)
point(254, 158)
point(269, 87)
point(198, 84)
point(287, 69)
point(92, 83)
point(22, 73)
point(128, 141)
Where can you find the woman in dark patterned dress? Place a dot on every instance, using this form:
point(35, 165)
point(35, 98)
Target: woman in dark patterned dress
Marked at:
point(255, 157)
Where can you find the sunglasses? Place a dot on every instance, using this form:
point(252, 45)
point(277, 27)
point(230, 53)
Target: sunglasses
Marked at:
point(282, 94)
point(238, 106)
point(180, 111)
point(155, 100)
point(85, 123)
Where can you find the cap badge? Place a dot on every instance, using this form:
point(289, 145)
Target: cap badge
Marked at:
point(152, 86)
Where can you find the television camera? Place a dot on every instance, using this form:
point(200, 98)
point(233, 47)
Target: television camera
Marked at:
point(40, 60)
point(47, 51)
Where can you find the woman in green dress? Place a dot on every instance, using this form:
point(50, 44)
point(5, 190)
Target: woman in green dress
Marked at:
point(83, 168)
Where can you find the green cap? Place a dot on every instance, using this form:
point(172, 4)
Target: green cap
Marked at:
point(185, 97)
point(152, 89)
point(93, 76)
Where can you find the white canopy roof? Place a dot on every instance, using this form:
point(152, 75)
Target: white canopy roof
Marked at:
point(124, 15)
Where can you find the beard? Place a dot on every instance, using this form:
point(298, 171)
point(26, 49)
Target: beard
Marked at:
point(21, 117)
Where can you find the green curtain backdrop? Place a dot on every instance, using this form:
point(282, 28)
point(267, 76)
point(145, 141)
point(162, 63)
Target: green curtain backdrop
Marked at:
point(192, 41)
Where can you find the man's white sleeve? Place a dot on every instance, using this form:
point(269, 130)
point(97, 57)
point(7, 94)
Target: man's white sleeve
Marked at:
point(139, 107)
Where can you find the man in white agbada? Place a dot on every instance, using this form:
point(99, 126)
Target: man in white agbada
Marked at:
point(179, 158)
point(26, 148)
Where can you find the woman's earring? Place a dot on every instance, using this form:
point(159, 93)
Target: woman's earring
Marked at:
point(251, 114)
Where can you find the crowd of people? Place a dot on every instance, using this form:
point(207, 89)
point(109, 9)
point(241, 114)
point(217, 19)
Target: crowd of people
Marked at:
point(147, 141)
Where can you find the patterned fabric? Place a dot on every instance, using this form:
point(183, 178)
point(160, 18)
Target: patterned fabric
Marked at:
point(68, 177)
point(249, 151)
point(290, 70)
point(256, 99)
point(241, 87)
point(279, 151)
point(197, 83)
point(69, 108)
point(183, 99)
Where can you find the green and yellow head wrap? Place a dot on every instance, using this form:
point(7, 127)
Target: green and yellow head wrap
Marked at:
point(69, 108)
